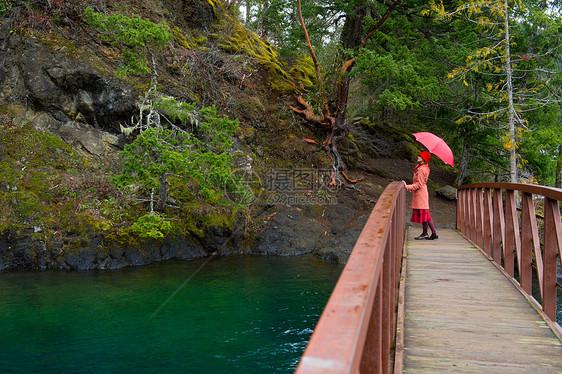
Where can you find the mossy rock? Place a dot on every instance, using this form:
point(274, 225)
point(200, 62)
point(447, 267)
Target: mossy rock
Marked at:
point(54, 42)
point(241, 40)
point(402, 143)
point(32, 158)
point(432, 184)
point(304, 72)
point(180, 38)
point(199, 219)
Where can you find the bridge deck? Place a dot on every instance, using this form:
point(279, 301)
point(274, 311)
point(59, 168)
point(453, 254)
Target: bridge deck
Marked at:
point(462, 314)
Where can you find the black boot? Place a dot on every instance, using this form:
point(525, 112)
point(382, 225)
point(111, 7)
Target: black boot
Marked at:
point(433, 236)
point(422, 237)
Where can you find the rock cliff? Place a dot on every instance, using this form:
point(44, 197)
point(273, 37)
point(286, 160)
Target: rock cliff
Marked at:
point(57, 76)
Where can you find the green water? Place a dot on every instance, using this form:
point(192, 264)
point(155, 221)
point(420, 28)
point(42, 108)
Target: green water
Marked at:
point(226, 315)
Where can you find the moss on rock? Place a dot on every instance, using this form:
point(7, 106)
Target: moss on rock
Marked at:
point(304, 72)
point(241, 40)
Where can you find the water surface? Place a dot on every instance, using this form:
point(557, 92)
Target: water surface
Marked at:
point(226, 315)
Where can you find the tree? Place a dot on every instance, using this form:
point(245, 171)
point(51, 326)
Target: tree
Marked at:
point(151, 157)
point(199, 157)
point(543, 60)
point(508, 81)
point(278, 22)
point(334, 104)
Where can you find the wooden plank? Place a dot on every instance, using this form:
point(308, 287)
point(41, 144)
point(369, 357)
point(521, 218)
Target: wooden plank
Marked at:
point(463, 315)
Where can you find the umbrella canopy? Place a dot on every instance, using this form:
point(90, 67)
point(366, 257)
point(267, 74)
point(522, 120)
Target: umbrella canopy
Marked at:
point(437, 146)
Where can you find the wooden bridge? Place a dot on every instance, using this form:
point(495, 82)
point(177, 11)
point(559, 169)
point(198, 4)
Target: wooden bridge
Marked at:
point(478, 300)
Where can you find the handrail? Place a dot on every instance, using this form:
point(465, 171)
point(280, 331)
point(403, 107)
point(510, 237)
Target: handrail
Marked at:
point(502, 233)
point(550, 192)
point(355, 333)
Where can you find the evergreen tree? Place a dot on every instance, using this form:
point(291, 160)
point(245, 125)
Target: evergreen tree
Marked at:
point(198, 156)
point(506, 78)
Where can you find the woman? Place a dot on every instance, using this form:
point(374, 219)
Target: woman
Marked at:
point(420, 197)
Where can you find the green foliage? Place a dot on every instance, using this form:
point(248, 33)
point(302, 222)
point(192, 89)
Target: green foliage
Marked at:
point(151, 226)
point(6, 6)
point(23, 207)
point(153, 153)
point(35, 173)
point(276, 20)
point(217, 130)
point(202, 161)
point(134, 35)
point(401, 68)
point(509, 88)
point(540, 147)
point(176, 110)
point(405, 87)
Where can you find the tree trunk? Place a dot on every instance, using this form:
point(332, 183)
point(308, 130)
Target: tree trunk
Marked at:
point(467, 142)
point(247, 16)
point(265, 23)
point(463, 167)
point(512, 114)
point(335, 104)
point(163, 193)
point(351, 38)
point(558, 179)
point(352, 32)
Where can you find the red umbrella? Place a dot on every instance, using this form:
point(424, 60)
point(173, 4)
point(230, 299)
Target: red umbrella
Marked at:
point(437, 146)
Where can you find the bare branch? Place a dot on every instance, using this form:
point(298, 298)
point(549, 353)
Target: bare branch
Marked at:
point(309, 44)
point(380, 23)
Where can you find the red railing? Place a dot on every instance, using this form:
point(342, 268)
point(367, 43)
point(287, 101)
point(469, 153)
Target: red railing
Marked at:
point(356, 331)
point(488, 215)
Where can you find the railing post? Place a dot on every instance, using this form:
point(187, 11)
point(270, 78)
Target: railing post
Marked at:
point(499, 229)
point(479, 204)
point(512, 237)
point(372, 357)
point(461, 211)
point(527, 216)
point(487, 221)
point(387, 307)
point(552, 238)
point(471, 215)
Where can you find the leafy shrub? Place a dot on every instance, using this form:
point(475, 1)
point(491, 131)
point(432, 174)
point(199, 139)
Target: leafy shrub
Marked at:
point(6, 6)
point(151, 226)
point(133, 35)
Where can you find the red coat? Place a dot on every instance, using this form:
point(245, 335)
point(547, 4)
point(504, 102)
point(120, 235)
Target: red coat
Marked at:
point(420, 196)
